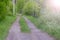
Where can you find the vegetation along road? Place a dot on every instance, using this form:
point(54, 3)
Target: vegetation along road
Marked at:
point(35, 34)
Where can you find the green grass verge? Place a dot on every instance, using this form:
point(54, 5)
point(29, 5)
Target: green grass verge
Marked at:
point(52, 30)
point(5, 26)
point(23, 25)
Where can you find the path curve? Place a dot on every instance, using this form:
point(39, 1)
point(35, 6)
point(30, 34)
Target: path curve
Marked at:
point(37, 34)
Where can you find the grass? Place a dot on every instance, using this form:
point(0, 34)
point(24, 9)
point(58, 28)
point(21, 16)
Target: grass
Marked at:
point(5, 26)
point(24, 26)
point(52, 29)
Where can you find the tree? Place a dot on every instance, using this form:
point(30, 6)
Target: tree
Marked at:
point(3, 9)
point(20, 4)
point(10, 8)
point(31, 8)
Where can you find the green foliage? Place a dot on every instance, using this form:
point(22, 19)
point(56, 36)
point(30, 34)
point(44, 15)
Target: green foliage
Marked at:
point(2, 10)
point(28, 7)
point(19, 5)
point(5, 1)
point(10, 8)
point(31, 8)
